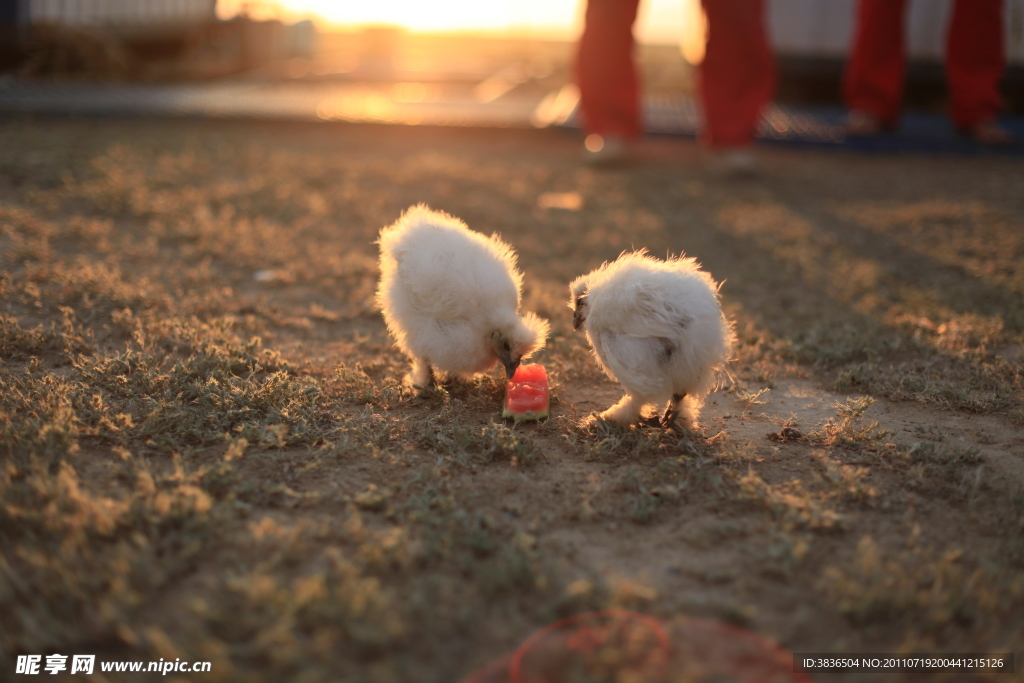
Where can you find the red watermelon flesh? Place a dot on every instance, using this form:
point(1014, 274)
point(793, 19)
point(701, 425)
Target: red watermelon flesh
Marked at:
point(527, 397)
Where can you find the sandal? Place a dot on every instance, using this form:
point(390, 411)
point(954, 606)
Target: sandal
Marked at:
point(864, 124)
point(990, 133)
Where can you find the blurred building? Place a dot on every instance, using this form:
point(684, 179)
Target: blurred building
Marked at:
point(13, 27)
point(152, 17)
point(143, 39)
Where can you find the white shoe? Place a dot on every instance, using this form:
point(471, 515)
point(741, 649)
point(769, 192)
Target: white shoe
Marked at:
point(734, 162)
point(599, 150)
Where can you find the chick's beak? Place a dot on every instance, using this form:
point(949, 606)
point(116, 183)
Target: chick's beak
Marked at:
point(505, 358)
point(577, 319)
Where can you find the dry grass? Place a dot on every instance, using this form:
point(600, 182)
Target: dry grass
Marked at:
point(207, 451)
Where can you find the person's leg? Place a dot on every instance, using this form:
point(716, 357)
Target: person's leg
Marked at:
point(874, 75)
point(975, 62)
point(737, 76)
point(605, 70)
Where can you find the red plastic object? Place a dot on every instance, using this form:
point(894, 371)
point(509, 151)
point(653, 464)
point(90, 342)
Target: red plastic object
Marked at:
point(527, 396)
point(623, 645)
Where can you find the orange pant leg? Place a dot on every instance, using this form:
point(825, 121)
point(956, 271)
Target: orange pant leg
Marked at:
point(605, 69)
point(975, 61)
point(876, 68)
point(738, 74)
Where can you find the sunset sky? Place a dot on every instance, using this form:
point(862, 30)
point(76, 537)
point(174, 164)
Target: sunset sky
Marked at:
point(660, 21)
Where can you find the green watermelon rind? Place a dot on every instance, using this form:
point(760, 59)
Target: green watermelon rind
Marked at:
point(528, 415)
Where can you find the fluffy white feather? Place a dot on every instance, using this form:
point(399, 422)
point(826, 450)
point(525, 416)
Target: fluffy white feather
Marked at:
point(450, 297)
point(657, 328)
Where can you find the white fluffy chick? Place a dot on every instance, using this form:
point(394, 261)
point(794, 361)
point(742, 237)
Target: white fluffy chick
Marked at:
point(450, 298)
point(657, 328)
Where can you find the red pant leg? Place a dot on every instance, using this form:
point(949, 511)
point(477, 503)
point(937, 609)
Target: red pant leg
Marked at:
point(873, 81)
point(605, 70)
point(975, 61)
point(737, 76)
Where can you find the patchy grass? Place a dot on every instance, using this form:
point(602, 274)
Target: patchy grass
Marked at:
point(931, 589)
point(207, 451)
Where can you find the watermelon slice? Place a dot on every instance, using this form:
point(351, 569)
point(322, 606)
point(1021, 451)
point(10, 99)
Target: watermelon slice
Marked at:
point(621, 645)
point(527, 397)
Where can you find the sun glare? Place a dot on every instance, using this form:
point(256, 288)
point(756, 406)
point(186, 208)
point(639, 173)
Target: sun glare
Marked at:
point(412, 14)
point(416, 15)
point(659, 20)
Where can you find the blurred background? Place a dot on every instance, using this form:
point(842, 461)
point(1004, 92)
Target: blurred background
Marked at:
point(503, 62)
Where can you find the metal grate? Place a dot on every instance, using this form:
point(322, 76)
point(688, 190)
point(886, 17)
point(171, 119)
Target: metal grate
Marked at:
point(454, 104)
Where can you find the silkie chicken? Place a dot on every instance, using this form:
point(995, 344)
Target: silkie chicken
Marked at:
point(657, 328)
point(450, 298)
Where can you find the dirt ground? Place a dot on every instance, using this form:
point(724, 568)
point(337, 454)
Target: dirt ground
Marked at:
point(209, 456)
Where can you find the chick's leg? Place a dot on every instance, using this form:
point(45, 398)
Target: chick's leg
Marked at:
point(422, 375)
point(675, 408)
point(626, 411)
